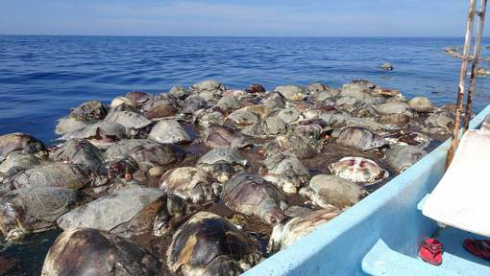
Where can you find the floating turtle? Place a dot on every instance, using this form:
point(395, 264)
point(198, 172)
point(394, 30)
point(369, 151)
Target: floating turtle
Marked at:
point(255, 88)
point(117, 101)
point(132, 121)
point(208, 244)
point(327, 190)
point(403, 157)
point(222, 136)
point(285, 234)
point(34, 209)
point(317, 87)
point(128, 212)
point(250, 194)
point(22, 143)
point(421, 104)
point(68, 124)
point(93, 252)
point(286, 172)
point(360, 138)
point(16, 163)
point(137, 98)
point(207, 85)
point(396, 107)
point(191, 184)
point(81, 152)
point(292, 92)
point(222, 163)
point(61, 175)
point(101, 135)
point(358, 169)
point(89, 111)
point(170, 132)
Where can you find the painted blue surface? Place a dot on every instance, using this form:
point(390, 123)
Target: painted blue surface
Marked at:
point(390, 214)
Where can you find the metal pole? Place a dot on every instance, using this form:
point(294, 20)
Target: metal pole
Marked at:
point(461, 86)
point(474, 66)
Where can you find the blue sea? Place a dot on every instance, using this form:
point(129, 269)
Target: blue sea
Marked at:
point(42, 77)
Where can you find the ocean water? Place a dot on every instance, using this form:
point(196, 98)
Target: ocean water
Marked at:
point(41, 77)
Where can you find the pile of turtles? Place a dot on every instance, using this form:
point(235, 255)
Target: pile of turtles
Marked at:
point(207, 180)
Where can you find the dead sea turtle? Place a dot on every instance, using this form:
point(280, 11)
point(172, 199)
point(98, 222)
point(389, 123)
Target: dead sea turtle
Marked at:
point(421, 104)
point(408, 138)
point(16, 163)
point(191, 184)
point(241, 119)
point(132, 121)
point(250, 194)
point(81, 152)
point(297, 145)
point(121, 149)
point(207, 85)
point(62, 175)
point(222, 136)
point(286, 172)
point(222, 163)
point(101, 135)
point(162, 155)
point(137, 98)
point(292, 92)
point(22, 143)
point(403, 157)
point(285, 234)
point(89, 111)
point(360, 138)
point(68, 124)
point(127, 212)
point(255, 88)
point(210, 245)
point(93, 252)
point(358, 169)
point(268, 127)
point(170, 132)
point(33, 209)
point(327, 190)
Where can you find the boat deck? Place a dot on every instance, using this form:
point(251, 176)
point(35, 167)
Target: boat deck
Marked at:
point(455, 258)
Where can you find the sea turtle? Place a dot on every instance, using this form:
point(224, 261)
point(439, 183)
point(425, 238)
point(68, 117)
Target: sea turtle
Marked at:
point(421, 104)
point(23, 143)
point(207, 85)
point(408, 138)
point(34, 209)
point(387, 66)
point(396, 107)
point(161, 106)
point(15, 163)
point(229, 103)
point(317, 87)
point(274, 101)
point(360, 85)
point(81, 152)
point(292, 92)
point(191, 184)
point(68, 124)
point(268, 127)
point(58, 174)
point(210, 245)
point(169, 131)
point(360, 138)
point(120, 100)
point(359, 170)
point(223, 136)
point(89, 111)
point(178, 92)
point(93, 252)
point(128, 212)
point(250, 194)
point(439, 122)
point(403, 157)
point(193, 103)
point(222, 163)
point(289, 115)
point(121, 149)
point(327, 190)
point(297, 145)
point(132, 121)
point(163, 155)
point(101, 135)
point(255, 88)
point(286, 172)
point(285, 234)
point(241, 119)
point(209, 117)
point(137, 98)
point(312, 128)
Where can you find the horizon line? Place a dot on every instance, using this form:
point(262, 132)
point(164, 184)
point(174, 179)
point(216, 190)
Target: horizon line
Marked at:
point(226, 36)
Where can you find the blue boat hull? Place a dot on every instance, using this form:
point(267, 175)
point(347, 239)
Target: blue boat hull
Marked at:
point(389, 215)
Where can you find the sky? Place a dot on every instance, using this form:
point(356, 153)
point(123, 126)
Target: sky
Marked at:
point(387, 18)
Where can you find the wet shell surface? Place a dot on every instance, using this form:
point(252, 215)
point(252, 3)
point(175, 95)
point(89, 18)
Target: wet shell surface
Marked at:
point(128, 119)
point(169, 131)
point(208, 244)
point(358, 169)
point(95, 252)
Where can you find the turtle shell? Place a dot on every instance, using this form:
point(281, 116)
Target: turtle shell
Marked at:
point(207, 242)
point(224, 154)
point(20, 142)
point(358, 169)
point(128, 119)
